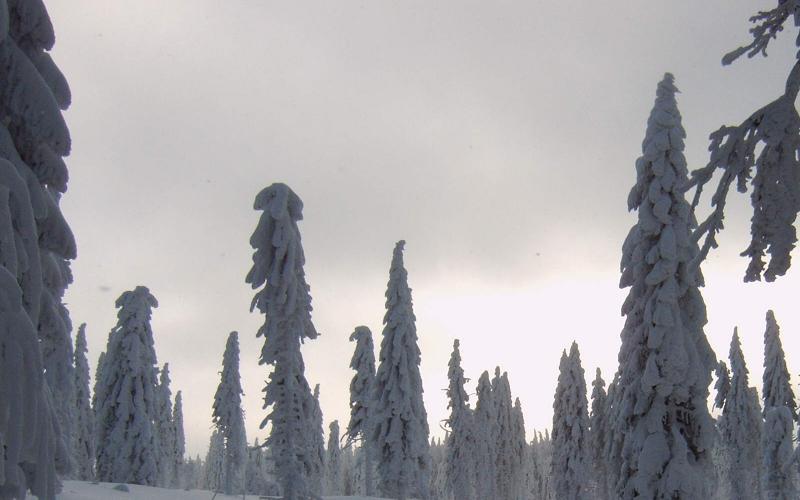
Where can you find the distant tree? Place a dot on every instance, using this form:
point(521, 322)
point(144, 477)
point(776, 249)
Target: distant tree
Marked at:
point(361, 402)
point(401, 422)
point(83, 438)
point(460, 442)
point(597, 437)
point(214, 469)
point(778, 450)
point(485, 445)
point(164, 428)
point(570, 463)
point(519, 451)
point(179, 442)
point(333, 462)
point(761, 153)
point(505, 460)
point(776, 386)
point(127, 444)
point(740, 431)
point(228, 417)
point(722, 385)
point(664, 432)
point(317, 440)
point(286, 303)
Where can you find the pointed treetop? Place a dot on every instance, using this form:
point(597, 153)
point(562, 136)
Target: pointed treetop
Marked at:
point(776, 385)
point(281, 202)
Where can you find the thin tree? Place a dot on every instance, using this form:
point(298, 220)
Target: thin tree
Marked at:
point(485, 440)
point(460, 441)
point(361, 399)
point(401, 422)
point(519, 452)
point(179, 451)
point(663, 435)
point(164, 429)
point(83, 439)
point(286, 303)
point(317, 469)
point(776, 384)
point(778, 451)
point(597, 436)
point(333, 462)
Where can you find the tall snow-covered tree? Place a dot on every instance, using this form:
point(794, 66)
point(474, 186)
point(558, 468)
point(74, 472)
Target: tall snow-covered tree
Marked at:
point(317, 470)
point(760, 152)
point(127, 443)
point(778, 451)
point(361, 398)
point(179, 449)
point(740, 431)
point(460, 442)
point(570, 463)
point(597, 437)
point(164, 429)
point(776, 386)
point(485, 419)
point(519, 451)
point(286, 303)
point(664, 432)
point(333, 462)
point(504, 450)
point(83, 438)
point(35, 243)
point(401, 422)
point(228, 417)
point(214, 470)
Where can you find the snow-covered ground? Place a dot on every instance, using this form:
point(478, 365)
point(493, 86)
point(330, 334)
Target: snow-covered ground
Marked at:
point(77, 490)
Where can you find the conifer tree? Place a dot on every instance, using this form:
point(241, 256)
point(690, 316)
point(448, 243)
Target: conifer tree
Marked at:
point(33, 235)
point(570, 463)
point(722, 386)
point(127, 443)
point(778, 451)
point(776, 386)
point(361, 398)
point(214, 473)
point(317, 470)
point(504, 452)
point(164, 428)
point(460, 438)
point(740, 431)
point(286, 303)
point(485, 445)
point(333, 462)
point(597, 436)
point(180, 441)
point(228, 417)
point(83, 439)
point(401, 422)
point(664, 432)
point(519, 452)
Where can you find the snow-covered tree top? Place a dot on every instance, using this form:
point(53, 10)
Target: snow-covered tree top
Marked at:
point(136, 304)
point(777, 386)
point(723, 384)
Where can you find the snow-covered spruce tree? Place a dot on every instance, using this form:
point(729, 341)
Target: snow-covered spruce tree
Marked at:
point(519, 451)
point(83, 438)
point(460, 442)
point(504, 451)
point(127, 443)
point(761, 152)
point(401, 422)
point(570, 464)
point(740, 431)
point(778, 451)
point(179, 442)
point(485, 420)
point(722, 386)
point(285, 301)
point(597, 437)
point(317, 471)
point(664, 432)
point(228, 417)
point(164, 429)
point(214, 470)
point(361, 394)
point(33, 140)
point(776, 386)
point(333, 462)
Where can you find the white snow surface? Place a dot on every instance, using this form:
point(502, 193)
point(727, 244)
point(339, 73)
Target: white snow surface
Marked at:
point(79, 490)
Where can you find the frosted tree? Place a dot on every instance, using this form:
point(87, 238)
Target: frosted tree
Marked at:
point(776, 386)
point(361, 394)
point(761, 153)
point(214, 470)
point(333, 462)
point(597, 436)
point(486, 431)
point(778, 451)
point(504, 451)
point(317, 470)
point(664, 432)
point(127, 443)
point(722, 386)
point(179, 441)
point(285, 301)
point(519, 451)
point(570, 463)
point(401, 422)
point(740, 431)
point(83, 439)
point(460, 442)
point(164, 429)
point(228, 417)
point(33, 233)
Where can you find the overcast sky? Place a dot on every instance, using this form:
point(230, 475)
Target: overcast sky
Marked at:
point(497, 138)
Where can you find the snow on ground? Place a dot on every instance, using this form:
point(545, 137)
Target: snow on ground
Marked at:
point(78, 490)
